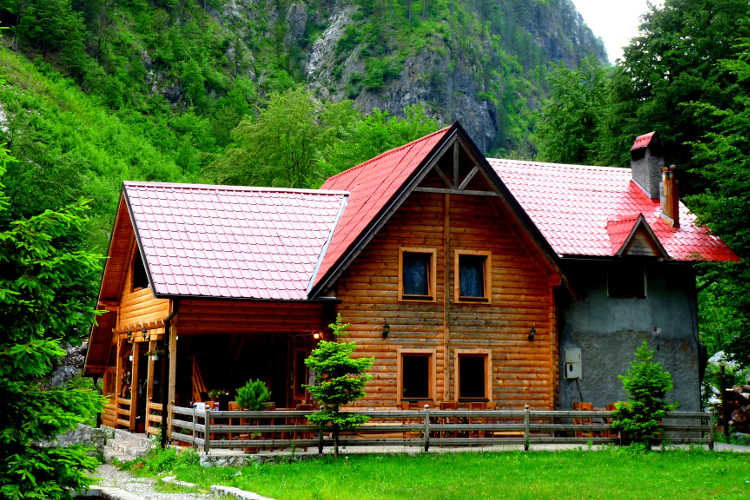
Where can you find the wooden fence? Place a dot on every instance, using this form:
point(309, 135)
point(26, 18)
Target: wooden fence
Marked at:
point(285, 429)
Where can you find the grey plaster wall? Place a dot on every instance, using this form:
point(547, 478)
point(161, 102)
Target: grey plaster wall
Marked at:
point(608, 331)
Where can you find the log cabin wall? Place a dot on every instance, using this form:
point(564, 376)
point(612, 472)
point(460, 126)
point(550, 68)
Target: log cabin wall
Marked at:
point(246, 316)
point(138, 305)
point(522, 371)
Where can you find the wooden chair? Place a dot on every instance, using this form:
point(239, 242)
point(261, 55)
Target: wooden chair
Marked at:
point(450, 406)
point(582, 406)
point(411, 405)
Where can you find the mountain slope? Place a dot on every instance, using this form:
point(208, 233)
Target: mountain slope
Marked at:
point(479, 61)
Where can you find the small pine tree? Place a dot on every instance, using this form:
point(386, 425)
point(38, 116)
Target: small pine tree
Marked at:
point(339, 380)
point(253, 395)
point(639, 420)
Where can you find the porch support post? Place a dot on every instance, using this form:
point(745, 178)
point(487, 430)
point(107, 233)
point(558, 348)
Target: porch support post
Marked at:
point(134, 384)
point(149, 383)
point(172, 378)
point(166, 414)
point(118, 380)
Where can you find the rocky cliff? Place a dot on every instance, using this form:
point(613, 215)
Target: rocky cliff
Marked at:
point(476, 61)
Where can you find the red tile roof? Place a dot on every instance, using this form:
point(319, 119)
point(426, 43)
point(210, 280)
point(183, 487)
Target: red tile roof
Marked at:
point(228, 241)
point(573, 205)
point(371, 185)
point(642, 141)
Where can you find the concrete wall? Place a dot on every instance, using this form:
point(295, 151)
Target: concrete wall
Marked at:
point(608, 331)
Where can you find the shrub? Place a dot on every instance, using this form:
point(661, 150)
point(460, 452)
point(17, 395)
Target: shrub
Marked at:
point(253, 395)
point(639, 419)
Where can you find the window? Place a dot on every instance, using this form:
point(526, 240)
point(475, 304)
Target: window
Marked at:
point(417, 274)
point(140, 279)
point(627, 281)
point(472, 375)
point(472, 276)
point(416, 375)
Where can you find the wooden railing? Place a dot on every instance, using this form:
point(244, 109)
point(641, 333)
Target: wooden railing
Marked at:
point(153, 418)
point(122, 409)
point(285, 429)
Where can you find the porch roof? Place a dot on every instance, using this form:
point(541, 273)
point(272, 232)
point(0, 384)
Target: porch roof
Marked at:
point(230, 241)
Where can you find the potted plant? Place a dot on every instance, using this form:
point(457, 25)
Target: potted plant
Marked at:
point(253, 396)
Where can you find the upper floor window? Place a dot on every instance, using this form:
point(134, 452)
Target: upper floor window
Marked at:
point(472, 276)
point(417, 274)
point(627, 280)
point(140, 278)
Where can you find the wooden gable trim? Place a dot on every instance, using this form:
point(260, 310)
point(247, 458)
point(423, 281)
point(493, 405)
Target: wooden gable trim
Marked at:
point(140, 248)
point(455, 137)
point(385, 214)
point(653, 241)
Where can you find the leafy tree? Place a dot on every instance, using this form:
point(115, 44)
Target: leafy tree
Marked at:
point(724, 155)
point(646, 382)
point(278, 147)
point(367, 137)
point(339, 380)
point(44, 301)
point(569, 123)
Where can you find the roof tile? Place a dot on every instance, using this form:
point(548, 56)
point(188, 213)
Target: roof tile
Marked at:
point(218, 239)
point(575, 207)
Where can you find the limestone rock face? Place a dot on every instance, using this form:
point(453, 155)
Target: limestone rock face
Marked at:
point(296, 20)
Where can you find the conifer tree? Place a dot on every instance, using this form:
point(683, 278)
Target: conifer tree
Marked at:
point(44, 301)
point(339, 380)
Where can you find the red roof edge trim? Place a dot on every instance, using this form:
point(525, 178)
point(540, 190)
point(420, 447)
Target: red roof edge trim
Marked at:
point(640, 221)
point(139, 243)
point(390, 151)
point(642, 141)
point(325, 245)
point(223, 187)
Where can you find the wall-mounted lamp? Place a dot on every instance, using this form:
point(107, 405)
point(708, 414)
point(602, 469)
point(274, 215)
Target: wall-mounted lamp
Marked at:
point(386, 329)
point(130, 336)
point(130, 357)
point(532, 334)
point(146, 335)
point(316, 335)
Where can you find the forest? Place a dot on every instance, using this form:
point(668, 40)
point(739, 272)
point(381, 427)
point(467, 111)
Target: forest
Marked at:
point(94, 92)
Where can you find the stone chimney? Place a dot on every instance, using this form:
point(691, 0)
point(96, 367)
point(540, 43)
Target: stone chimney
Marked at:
point(646, 163)
point(670, 197)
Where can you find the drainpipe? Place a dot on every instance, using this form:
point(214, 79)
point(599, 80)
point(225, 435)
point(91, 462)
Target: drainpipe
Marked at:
point(163, 377)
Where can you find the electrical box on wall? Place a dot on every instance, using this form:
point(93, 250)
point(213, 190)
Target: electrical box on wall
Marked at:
point(573, 365)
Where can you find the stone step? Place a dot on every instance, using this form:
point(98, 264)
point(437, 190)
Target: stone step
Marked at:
point(126, 446)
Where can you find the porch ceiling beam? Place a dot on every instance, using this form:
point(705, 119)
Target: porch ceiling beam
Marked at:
point(455, 191)
point(468, 178)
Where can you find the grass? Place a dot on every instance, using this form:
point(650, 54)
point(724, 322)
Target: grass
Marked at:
point(611, 473)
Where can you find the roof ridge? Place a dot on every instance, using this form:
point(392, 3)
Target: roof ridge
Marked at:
point(552, 164)
point(390, 151)
point(228, 187)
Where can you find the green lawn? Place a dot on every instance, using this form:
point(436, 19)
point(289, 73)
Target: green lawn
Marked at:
point(612, 473)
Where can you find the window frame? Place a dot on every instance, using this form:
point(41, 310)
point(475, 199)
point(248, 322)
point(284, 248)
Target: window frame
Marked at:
point(431, 379)
point(432, 277)
point(644, 275)
point(487, 355)
point(487, 299)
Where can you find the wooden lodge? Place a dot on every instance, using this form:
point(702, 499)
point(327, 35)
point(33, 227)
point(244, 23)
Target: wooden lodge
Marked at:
point(440, 268)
